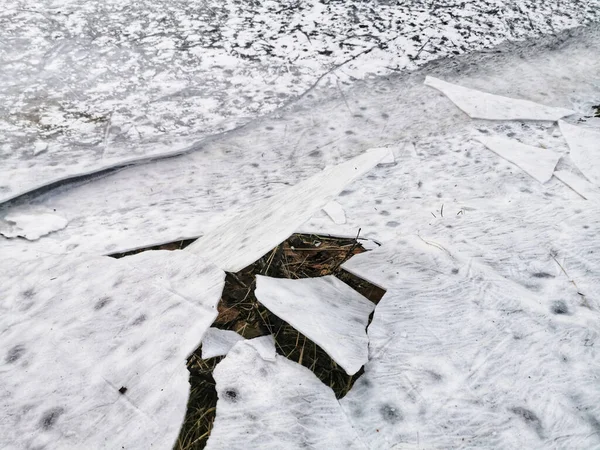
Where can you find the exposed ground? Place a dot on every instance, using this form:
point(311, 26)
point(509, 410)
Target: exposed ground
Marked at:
point(301, 256)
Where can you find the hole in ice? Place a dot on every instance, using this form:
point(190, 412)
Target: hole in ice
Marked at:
point(301, 256)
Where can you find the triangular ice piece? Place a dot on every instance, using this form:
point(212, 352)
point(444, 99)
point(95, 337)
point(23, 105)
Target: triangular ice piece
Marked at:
point(326, 310)
point(537, 162)
point(218, 342)
point(275, 405)
point(585, 149)
point(482, 105)
point(239, 242)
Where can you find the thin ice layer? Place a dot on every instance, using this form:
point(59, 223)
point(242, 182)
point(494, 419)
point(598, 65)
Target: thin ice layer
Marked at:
point(437, 160)
point(585, 149)
point(31, 226)
point(462, 356)
point(218, 342)
point(326, 310)
point(482, 105)
point(274, 405)
point(240, 241)
point(537, 162)
point(95, 349)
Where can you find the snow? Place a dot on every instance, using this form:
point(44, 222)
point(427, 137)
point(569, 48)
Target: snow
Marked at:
point(31, 226)
point(325, 310)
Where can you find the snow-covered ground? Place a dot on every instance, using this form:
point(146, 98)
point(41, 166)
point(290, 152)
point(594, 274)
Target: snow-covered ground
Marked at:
point(487, 209)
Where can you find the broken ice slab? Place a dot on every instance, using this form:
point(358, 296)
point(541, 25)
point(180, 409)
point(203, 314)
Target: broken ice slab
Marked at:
point(326, 310)
point(482, 105)
point(240, 241)
point(336, 212)
point(94, 340)
point(31, 225)
point(585, 149)
point(537, 162)
point(218, 342)
point(458, 351)
point(579, 184)
point(274, 405)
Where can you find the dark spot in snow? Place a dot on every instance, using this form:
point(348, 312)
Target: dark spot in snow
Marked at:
point(391, 414)
point(560, 307)
point(254, 164)
point(392, 223)
point(315, 154)
point(455, 271)
point(385, 115)
point(385, 213)
point(349, 132)
point(28, 293)
point(102, 303)
point(269, 128)
point(15, 353)
point(530, 419)
point(122, 390)
point(345, 192)
point(542, 275)
point(140, 319)
point(231, 395)
point(50, 417)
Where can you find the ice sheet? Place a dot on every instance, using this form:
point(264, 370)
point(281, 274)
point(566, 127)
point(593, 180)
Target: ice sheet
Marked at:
point(326, 310)
point(579, 184)
point(275, 404)
point(95, 348)
point(585, 149)
point(87, 85)
point(461, 356)
point(437, 158)
point(31, 226)
point(483, 105)
point(238, 242)
point(218, 342)
point(537, 162)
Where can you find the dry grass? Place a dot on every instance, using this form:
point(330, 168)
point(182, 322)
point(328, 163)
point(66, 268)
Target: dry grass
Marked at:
point(301, 256)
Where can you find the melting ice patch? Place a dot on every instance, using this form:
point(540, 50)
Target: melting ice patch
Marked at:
point(326, 310)
point(585, 149)
point(31, 225)
point(95, 349)
point(537, 162)
point(237, 243)
point(275, 404)
point(482, 105)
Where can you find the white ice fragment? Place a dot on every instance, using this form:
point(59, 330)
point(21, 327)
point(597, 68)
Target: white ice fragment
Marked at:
point(275, 405)
point(537, 162)
point(326, 310)
point(95, 348)
point(585, 149)
point(239, 242)
point(579, 184)
point(265, 346)
point(336, 212)
point(389, 158)
point(482, 105)
point(218, 342)
point(31, 226)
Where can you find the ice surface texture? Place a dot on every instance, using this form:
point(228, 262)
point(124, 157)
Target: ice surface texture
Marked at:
point(218, 342)
point(438, 159)
point(326, 310)
point(31, 226)
point(275, 404)
point(89, 85)
point(461, 356)
point(483, 105)
point(95, 348)
point(585, 149)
